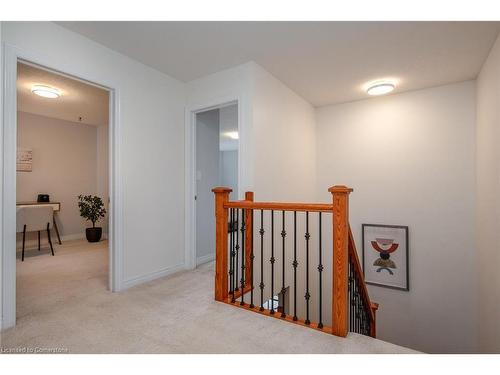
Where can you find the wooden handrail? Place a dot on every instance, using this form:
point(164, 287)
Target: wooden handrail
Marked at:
point(280, 206)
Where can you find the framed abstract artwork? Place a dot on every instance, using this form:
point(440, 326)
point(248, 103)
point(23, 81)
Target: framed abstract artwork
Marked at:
point(385, 255)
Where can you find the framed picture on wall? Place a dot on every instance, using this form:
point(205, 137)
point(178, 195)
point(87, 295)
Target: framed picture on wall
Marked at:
point(385, 255)
point(24, 160)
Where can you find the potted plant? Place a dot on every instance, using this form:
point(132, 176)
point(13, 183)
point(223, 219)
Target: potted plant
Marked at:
point(92, 209)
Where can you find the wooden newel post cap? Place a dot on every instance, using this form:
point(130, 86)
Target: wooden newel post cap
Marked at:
point(340, 189)
point(221, 189)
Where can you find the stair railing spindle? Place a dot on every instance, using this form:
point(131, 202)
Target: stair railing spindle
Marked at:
point(242, 283)
point(307, 296)
point(272, 260)
point(231, 253)
point(261, 285)
point(283, 290)
point(320, 271)
point(237, 248)
point(295, 264)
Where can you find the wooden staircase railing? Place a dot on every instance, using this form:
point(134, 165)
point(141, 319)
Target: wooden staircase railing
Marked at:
point(236, 268)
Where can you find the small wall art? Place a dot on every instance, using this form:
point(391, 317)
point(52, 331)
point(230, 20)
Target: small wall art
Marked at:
point(24, 159)
point(385, 255)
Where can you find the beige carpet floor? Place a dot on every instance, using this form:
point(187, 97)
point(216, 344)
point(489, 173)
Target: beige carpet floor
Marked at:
point(63, 302)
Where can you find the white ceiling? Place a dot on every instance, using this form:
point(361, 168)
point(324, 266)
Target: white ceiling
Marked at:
point(324, 62)
point(77, 99)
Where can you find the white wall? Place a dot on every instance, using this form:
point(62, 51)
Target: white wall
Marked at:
point(65, 165)
point(151, 114)
point(228, 162)
point(410, 160)
point(284, 141)
point(102, 189)
point(488, 202)
point(228, 122)
point(208, 176)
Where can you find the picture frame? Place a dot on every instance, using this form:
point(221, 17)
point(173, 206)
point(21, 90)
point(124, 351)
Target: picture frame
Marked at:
point(24, 159)
point(386, 255)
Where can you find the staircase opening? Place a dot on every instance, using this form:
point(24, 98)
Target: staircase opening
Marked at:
point(292, 261)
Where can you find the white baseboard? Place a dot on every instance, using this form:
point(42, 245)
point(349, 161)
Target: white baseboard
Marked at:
point(205, 259)
point(71, 237)
point(152, 276)
point(79, 236)
point(33, 243)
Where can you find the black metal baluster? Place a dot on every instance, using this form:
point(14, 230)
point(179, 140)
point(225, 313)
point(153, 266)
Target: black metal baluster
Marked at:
point(231, 252)
point(242, 284)
point(349, 289)
point(307, 295)
point(237, 248)
point(368, 322)
point(357, 305)
point(360, 308)
point(364, 321)
point(363, 317)
point(350, 298)
point(353, 302)
point(362, 311)
point(360, 315)
point(283, 290)
point(320, 270)
point(272, 260)
point(261, 285)
point(295, 264)
point(252, 257)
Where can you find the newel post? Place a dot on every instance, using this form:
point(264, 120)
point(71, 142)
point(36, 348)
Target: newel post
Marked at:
point(221, 229)
point(340, 196)
point(248, 240)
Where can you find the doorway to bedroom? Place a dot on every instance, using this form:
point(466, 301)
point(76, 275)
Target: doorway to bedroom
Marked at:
point(62, 190)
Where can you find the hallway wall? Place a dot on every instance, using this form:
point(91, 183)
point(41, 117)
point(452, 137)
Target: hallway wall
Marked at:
point(410, 159)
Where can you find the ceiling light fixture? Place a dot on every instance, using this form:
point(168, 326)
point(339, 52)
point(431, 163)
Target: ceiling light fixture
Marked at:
point(380, 88)
point(232, 135)
point(46, 91)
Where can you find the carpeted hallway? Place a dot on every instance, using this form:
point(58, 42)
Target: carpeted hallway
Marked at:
point(63, 302)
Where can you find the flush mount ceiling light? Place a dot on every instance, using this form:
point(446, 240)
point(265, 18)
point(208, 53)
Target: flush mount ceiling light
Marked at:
point(232, 135)
point(46, 91)
point(380, 88)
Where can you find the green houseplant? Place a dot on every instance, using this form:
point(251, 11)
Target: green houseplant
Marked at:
point(92, 209)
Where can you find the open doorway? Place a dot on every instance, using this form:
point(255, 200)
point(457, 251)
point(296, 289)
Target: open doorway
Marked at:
point(62, 188)
point(216, 165)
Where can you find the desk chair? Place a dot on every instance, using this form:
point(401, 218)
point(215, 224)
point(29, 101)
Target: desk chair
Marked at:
point(31, 219)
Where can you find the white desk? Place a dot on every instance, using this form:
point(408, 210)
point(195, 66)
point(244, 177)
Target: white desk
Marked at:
point(56, 206)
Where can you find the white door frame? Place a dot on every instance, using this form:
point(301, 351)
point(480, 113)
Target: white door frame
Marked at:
point(8, 153)
point(190, 166)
